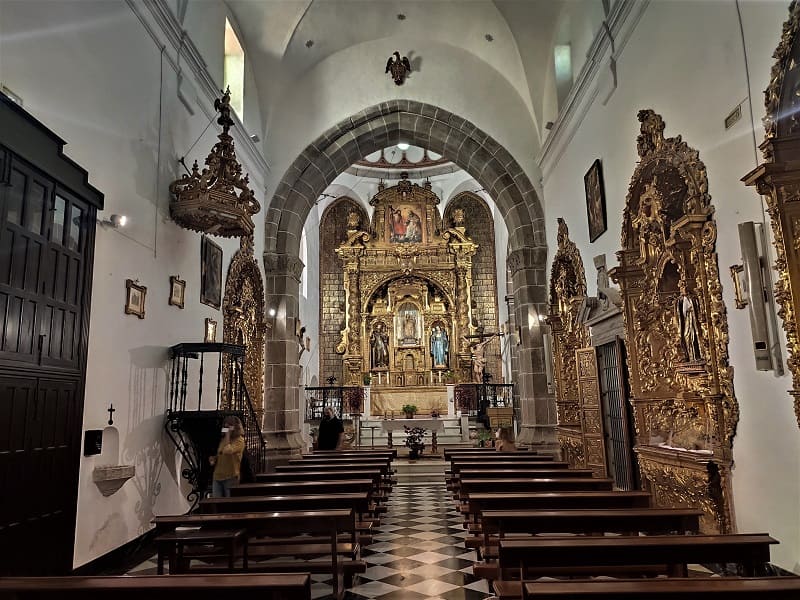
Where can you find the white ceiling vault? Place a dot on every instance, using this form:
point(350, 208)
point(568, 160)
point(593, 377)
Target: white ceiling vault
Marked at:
point(317, 62)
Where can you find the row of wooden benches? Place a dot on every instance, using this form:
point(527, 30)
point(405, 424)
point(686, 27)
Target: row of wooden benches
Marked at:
point(518, 532)
point(318, 506)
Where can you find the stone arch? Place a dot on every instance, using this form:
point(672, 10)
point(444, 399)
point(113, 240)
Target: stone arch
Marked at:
point(419, 124)
point(243, 318)
point(470, 148)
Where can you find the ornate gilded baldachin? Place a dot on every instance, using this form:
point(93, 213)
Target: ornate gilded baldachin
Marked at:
point(681, 379)
point(778, 180)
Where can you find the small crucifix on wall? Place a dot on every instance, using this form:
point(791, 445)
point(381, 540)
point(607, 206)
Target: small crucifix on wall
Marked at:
point(111, 411)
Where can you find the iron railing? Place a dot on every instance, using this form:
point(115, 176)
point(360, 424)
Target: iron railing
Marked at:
point(345, 401)
point(474, 398)
point(196, 431)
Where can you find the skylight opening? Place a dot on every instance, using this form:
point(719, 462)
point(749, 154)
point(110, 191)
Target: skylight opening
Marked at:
point(233, 70)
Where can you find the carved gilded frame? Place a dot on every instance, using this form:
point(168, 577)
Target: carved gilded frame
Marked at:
point(778, 180)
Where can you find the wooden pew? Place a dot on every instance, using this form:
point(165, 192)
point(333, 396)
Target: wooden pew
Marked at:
point(275, 586)
point(392, 453)
point(495, 524)
point(358, 501)
point(448, 452)
point(530, 473)
point(320, 475)
point(289, 488)
point(268, 533)
point(553, 556)
point(560, 484)
point(699, 588)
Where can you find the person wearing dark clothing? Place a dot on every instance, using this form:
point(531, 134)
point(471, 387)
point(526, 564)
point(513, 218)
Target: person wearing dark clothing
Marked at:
point(331, 431)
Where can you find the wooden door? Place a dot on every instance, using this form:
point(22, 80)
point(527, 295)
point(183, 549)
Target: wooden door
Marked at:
point(46, 250)
point(590, 411)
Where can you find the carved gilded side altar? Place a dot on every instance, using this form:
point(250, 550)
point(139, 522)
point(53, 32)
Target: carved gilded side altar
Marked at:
point(778, 179)
point(407, 298)
point(579, 430)
point(685, 411)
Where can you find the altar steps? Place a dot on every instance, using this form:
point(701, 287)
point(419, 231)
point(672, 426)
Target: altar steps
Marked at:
point(423, 471)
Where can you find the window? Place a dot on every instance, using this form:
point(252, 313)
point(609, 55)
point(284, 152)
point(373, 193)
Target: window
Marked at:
point(233, 75)
point(562, 55)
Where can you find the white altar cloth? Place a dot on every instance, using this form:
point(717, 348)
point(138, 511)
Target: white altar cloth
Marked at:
point(398, 424)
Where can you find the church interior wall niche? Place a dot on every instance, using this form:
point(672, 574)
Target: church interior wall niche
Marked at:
point(778, 179)
point(685, 411)
point(333, 232)
point(484, 272)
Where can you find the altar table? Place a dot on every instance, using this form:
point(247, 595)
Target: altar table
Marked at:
point(434, 425)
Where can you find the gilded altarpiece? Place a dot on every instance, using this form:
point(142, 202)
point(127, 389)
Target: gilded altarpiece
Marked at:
point(778, 179)
point(685, 411)
point(407, 293)
point(243, 313)
point(567, 298)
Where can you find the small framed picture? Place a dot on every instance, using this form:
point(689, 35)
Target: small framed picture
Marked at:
point(211, 331)
point(210, 273)
point(134, 298)
point(177, 291)
point(595, 200)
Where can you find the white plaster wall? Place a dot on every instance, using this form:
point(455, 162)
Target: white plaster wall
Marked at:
point(685, 61)
point(90, 71)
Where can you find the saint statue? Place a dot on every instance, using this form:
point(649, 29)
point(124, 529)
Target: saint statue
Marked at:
point(410, 326)
point(379, 347)
point(440, 346)
point(687, 324)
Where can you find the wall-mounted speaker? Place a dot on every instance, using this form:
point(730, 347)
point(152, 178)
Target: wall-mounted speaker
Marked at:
point(752, 286)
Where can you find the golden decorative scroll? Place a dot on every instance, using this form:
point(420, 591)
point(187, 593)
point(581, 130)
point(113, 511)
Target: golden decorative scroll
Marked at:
point(778, 179)
point(681, 380)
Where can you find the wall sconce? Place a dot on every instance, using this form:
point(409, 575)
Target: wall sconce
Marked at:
point(272, 312)
point(115, 221)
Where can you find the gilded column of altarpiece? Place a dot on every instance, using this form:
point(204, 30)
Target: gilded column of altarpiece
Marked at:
point(778, 179)
point(685, 411)
point(407, 281)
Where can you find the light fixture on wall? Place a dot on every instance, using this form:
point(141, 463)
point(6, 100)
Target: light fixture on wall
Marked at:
point(115, 221)
point(403, 146)
point(272, 312)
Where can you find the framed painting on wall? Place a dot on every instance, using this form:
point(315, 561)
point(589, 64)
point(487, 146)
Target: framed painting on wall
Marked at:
point(405, 224)
point(210, 273)
point(595, 200)
point(134, 298)
point(177, 291)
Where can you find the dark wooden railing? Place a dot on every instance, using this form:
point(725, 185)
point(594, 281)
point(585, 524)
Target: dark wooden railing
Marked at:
point(474, 398)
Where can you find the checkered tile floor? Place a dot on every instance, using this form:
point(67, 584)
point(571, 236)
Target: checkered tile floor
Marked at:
point(418, 553)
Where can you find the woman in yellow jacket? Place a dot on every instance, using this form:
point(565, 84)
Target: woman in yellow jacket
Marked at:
point(229, 457)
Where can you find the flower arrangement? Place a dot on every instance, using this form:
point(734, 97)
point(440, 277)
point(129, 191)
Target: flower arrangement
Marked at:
point(484, 436)
point(409, 409)
point(414, 441)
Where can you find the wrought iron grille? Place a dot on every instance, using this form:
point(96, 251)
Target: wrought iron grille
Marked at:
point(474, 398)
point(345, 401)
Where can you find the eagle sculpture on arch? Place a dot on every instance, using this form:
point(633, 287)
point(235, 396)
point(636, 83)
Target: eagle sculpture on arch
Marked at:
point(398, 67)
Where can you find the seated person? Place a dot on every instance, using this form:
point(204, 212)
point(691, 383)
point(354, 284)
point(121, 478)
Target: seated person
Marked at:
point(505, 440)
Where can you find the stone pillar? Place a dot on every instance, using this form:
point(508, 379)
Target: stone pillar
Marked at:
point(527, 266)
point(283, 408)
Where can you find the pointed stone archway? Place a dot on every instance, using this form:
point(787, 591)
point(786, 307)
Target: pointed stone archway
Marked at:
point(243, 318)
point(470, 148)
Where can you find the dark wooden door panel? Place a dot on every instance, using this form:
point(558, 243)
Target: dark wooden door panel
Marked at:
point(38, 443)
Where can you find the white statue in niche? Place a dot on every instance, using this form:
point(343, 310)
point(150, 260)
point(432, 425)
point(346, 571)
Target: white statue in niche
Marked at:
point(407, 325)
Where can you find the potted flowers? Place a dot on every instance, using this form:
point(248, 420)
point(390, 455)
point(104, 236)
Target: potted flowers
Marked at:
point(414, 441)
point(409, 409)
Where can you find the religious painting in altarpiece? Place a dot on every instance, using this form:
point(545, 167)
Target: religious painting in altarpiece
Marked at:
point(685, 411)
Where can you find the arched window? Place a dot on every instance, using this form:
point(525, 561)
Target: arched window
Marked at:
point(562, 55)
point(233, 69)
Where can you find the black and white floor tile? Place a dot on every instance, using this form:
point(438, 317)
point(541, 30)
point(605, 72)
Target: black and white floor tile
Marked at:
point(418, 553)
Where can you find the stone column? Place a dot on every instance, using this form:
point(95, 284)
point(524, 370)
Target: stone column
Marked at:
point(527, 266)
point(283, 416)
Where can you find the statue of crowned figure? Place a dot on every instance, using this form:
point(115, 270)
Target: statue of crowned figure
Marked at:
point(440, 347)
